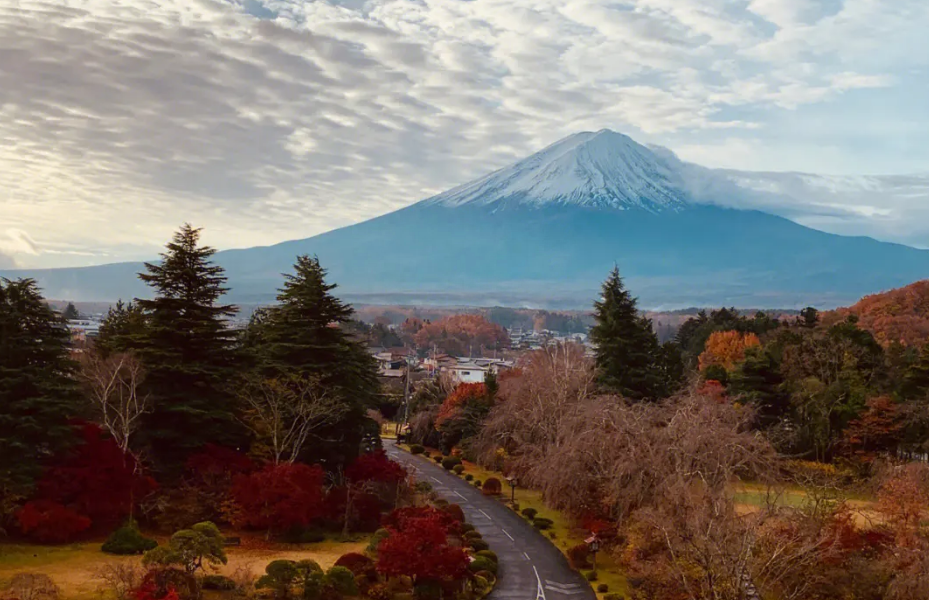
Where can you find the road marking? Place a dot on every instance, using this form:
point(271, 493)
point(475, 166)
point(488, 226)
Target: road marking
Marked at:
point(459, 495)
point(540, 594)
point(435, 479)
point(507, 534)
point(527, 556)
point(485, 514)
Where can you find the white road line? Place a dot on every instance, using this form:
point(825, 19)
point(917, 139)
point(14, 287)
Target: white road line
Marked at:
point(485, 514)
point(435, 479)
point(507, 534)
point(540, 595)
point(459, 495)
point(527, 556)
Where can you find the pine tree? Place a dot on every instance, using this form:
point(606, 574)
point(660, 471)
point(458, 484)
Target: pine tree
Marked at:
point(188, 351)
point(70, 312)
point(37, 394)
point(628, 354)
point(122, 330)
point(302, 335)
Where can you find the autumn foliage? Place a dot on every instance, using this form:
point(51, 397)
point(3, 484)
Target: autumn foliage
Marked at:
point(49, 522)
point(279, 497)
point(727, 349)
point(375, 466)
point(900, 315)
point(457, 334)
point(418, 547)
point(463, 394)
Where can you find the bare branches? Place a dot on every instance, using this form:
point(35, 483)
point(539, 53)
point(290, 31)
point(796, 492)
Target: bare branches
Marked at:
point(283, 412)
point(114, 386)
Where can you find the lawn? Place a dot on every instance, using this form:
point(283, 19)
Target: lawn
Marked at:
point(73, 567)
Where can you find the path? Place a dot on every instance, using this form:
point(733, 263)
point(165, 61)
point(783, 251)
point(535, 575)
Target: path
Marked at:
point(531, 568)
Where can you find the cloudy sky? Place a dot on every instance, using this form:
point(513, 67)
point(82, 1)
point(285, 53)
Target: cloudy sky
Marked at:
point(266, 120)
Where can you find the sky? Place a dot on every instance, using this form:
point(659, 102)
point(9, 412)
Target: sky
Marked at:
point(268, 120)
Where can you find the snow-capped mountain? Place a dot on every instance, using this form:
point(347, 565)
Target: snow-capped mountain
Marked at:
point(546, 231)
point(596, 170)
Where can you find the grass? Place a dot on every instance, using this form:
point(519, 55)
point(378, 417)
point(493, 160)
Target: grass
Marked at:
point(73, 567)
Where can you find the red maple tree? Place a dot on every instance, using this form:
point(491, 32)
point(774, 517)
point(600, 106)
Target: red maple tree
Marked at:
point(279, 497)
point(418, 548)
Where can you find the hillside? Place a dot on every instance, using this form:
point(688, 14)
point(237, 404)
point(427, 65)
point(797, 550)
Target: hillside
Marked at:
point(899, 315)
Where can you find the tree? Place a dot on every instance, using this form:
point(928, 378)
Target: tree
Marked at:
point(279, 497)
point(190, 549)
point(727, 349)
point(70, 312)
point(114, 387)
point(122, 330)
point(188, 350)
point(37, 394)
point(627, 348)
point(462, 334)
point(283, 412)
point(300, 336)
point(418, 548)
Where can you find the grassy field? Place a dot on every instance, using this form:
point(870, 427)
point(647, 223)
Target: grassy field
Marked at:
point(74, 568)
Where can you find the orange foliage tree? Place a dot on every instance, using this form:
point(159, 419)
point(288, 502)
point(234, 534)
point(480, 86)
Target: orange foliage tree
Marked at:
point(459, 334)
point(463, 395)
point(900, 315)
point(726, 348)
point(877, 430)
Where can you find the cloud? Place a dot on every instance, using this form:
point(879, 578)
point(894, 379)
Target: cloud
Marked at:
point(266, 120)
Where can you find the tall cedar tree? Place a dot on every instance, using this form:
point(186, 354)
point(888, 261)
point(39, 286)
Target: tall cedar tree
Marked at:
point(122, 330)
point(37, 394)
point(628, 355)
point(302, 335)
point(189, 353)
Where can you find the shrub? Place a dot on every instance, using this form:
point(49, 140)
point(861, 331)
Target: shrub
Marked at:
point(492, 487)
point(427, 454)
point(542, 523)
point(466, 527)
point(128, 540)
point(358, 564)
point(472, 534)
point(379, 591)
point(603, 588)
point(342, 580)
point(191, 549)
point(450, 463)
point(417, 449)
point(279, 497)
point(478, 483)
point(217, 582)
point(483, 564)
point(422, 487)
point(51, 523)
point(303, 535)
point(469, 477)
point(279, 576)
point(376, 539)
point(428, 590)
point(438, 459)
point(480, 584)
point(578, 555)
point(455, 512)
point(458, 469)
point(614, 597)
point(529, 513)
point(441, 503)
point(490, 577)
point(478, 545)
point(488, 554)
point(552, 535)
point(591, 576)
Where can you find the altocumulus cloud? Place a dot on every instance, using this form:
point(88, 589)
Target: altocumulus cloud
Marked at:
point(266, 120)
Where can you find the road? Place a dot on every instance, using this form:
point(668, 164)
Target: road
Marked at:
point(531, 568)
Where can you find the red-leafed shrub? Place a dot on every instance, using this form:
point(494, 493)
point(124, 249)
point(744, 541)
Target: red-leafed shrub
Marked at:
point(400, 518)
point(279, 497)
point(420, 549)
point(492, 487)
point(51, 523)
point(579, 556)
point(455, 512)
point(96, 479)
point(358, 564)
point(167, 584)
point(375, 466)
point(217, 462)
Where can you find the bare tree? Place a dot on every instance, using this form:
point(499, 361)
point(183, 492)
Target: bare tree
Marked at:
point(283, 412)
point(119, 579)
point(114, 386)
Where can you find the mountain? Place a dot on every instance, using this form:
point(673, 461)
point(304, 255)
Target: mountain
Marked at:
point(546, 230)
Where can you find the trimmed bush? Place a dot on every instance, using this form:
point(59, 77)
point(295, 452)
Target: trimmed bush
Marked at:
point(417, 449)
point(128, 540)
point(490, 577)
point(466, 527)
point(515, 506)
point(217, 582)
point(427, 454)
point(473, 534)
point(342, 580)
point(422, 487)
point(455, 512)
point(478, 545)
point(529, 513)
point(469, 477)
point(450, 463)
point(603, 588)
point(578, 555)
point(458, 469)
point(379, 536)
point(542, 523)
point(478, 483)
point(614, 597)
point(489, 554)
point(492, 487)
point(437, 459)
point(441, 503)
point(591, 576)
point(482, 564)
point(358, 564)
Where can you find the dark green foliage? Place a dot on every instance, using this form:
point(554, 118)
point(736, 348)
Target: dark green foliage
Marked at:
point(450, 463)
point(218, 583)
point(478, 483)
point(188, 351)
point(614, 597)
point(591, 576)
point(122, 330)
point(303, 535)
point(758, 380)
point(481, 563)
point(472, 534)
point(128, 540)
point(542, 523)
point(438, 459)
point(342, 580)
point(469, 477)
point(376, 539)
point(693, 334)
point(529, 513)
point(478, 545)
point(417, 449)
point(488, 554)
point(466, 527)
point(716, 373)
point(70, 312)
point(603, 588)
point(628, 354)
point(301, 335)
point(37, 394)
point(458, 469)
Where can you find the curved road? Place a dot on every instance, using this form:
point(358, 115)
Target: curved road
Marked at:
point(530, 567)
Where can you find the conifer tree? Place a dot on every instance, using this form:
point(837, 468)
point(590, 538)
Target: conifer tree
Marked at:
point(628, 354)
point(70, 313)
point(37, 394)
point(122, 330)
point(302, 335)
point(188, 350)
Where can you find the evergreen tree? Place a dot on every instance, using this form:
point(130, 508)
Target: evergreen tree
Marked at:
point(628, 354)
point(70, 312)
point(37, 395)
point(122, 330)
point(188, 351)
point(302, 335)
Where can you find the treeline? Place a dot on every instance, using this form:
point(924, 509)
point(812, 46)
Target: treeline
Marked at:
point(171, 405)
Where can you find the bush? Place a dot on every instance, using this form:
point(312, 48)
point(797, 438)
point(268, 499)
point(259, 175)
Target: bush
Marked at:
point(492, 487)
point(469, 477)
point(473, 534)
point(422, 487)
point(427, 454)
point(376, 539)
point(614, 597)
point(478, 545)
point(515, 506)
point(458, 469)
point(51, 523)
point(490, 577)
point(483, 564)
point(478, 483)
point(465, 528)
point(128, 540)
point(438, 459)
point(342, 580)
point(428, 590)
point(217, 582)
point(488, 554)
point(542, 523)
point(303, 535)
point(358, 564)
point(450, 463)
point(417, 449)
point(441, 503)
point(579, 555)
point(529, 513)
point(552, 535)
point(591, 576)
point(603, 588)
point(455, 512)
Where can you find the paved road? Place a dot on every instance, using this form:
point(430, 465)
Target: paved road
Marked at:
point(530, 567)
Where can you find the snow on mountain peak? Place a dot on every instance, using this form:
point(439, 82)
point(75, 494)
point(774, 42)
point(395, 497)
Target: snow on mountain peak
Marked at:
point(602, 169)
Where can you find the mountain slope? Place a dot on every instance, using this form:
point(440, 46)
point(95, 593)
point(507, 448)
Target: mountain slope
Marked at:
point(545, 231)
